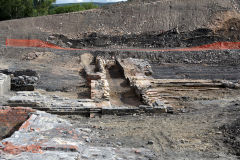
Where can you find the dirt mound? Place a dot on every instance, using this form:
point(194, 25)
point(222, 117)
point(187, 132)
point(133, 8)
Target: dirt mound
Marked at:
point(227, 25)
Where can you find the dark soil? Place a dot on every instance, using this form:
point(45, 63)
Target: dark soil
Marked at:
point(195, 71)
point(231, 132)
point(170, 39)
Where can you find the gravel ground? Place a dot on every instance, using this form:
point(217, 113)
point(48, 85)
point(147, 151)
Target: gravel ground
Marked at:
point(196, 134)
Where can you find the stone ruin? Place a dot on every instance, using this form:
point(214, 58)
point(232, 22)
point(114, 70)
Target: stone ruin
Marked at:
point(150, 95)
point(22, 80)
point(139, 67)
point(27, 131)
point(118, 86)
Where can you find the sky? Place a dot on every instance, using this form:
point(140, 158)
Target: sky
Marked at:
point(78, 1)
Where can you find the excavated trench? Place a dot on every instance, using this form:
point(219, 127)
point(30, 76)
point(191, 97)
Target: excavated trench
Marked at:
point(83, 89)
point(121, 94)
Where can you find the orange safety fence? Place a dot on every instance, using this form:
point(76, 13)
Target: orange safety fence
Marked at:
point(32, 43)
point(43, 44)
point(213, 46)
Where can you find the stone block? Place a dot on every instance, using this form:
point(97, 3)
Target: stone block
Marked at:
point(5, 84)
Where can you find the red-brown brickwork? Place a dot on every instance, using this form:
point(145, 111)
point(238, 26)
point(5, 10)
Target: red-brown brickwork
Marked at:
point(11, 118)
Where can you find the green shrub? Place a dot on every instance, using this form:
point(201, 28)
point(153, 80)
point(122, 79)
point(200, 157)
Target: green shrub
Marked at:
point(72, 8)
point(12, 9)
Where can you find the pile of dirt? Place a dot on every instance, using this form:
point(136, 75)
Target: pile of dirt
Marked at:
point(227, 25)
point(222, 26)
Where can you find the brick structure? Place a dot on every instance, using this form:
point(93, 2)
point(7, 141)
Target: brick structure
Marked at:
point(12, 118)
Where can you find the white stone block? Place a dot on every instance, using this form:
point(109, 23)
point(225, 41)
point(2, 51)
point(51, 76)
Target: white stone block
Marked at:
point(5, 84)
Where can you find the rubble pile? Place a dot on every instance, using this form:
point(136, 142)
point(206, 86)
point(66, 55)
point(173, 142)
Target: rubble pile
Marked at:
point(22, 80)
point(25, 80)
point(45, 136)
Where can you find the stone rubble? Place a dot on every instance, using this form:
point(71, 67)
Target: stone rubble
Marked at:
point(24, 83)
point(152, 92)
point(45, 136)
point(138, 73)
point(22, 80)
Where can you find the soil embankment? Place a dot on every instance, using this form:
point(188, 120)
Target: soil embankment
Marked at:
point(133, 17)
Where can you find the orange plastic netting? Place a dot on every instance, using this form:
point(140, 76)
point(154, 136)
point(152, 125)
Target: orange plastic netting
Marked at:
point(31, 43)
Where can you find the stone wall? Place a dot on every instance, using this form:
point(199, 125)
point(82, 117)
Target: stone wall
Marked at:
point(136, 71)
point(98, 83)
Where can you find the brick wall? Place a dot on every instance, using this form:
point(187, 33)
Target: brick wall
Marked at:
point(11, 118)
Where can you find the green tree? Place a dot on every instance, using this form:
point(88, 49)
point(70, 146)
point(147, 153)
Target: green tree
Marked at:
point(5, 9)
point(15, 9)
point(11, 9)
point(72, 8)
point(42, 6)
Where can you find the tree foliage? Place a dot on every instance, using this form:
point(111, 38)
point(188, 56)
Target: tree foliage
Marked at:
point(11, 9)
point(15, 9)
point(42, 6)
point(72, 8)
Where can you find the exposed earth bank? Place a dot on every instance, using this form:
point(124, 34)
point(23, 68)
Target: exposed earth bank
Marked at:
point(127, 20)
